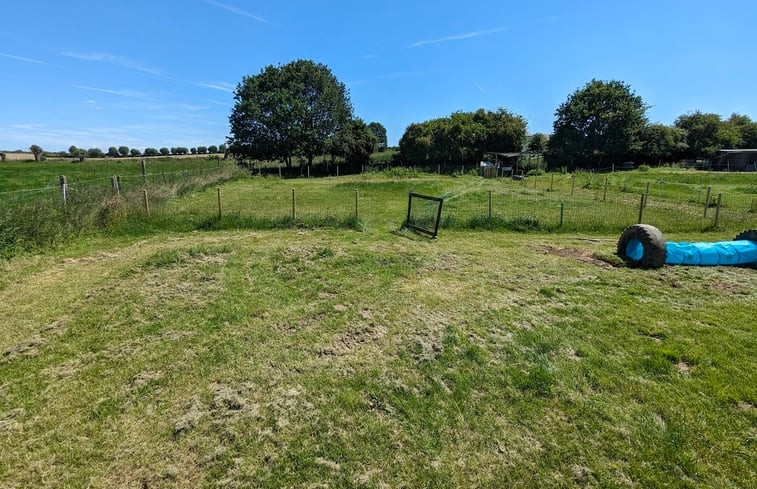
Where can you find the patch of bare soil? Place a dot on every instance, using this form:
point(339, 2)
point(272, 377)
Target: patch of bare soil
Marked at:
point(580, 255)
point(683, 367)
point(27, 348)
point(361, 335)
point(228, 404)
point(10, 421)
point(144, 378)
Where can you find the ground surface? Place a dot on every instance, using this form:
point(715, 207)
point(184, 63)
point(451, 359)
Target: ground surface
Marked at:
point(323, 358)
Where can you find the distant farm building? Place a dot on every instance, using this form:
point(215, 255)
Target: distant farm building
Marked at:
point(735, 160)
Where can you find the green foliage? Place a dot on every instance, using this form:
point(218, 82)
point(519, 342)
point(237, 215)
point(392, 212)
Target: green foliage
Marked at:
point(537, 143)
point(212, 149)
point(151, 152)
point(164, 151)
point(193, 150)
point(354, 142)
point(462, 138)
point(135, 152)
point(202, 150)
point(123, 150)
point(706, 134)
point(602, 121)
point(287, 111)
point(662, 143)
point(379, 131)
point(112, 152)
point(95, 153)
point(36, 151)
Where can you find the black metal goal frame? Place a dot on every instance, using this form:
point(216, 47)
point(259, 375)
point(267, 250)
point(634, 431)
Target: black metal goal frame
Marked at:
point(420, 229)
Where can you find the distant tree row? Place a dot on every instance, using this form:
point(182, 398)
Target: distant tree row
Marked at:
point(606, 122)
point(124, 151)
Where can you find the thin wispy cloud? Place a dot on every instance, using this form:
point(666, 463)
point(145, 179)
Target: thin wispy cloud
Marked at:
point(120, 93)
point(479, 87)
point(222, 86)
point(458, 37)
point(117, 60)
point(402, 74)
point(237, 10)
point(21, 58)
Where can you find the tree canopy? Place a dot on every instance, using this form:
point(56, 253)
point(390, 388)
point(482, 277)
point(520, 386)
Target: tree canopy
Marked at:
point(463, 137)
point(286, 111)
point(379, 131)
point(600, 122)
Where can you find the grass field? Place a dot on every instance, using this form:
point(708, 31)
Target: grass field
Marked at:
point(163, 353)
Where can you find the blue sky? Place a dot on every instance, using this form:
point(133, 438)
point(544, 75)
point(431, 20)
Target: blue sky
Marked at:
point(161, 72)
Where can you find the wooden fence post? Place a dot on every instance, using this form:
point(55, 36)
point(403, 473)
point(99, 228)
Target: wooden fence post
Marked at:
point(337, 169)
point(646, 196)
point(604, 196)
point(707, 201)
point(562, 212)
point(147, 201)
point(218, 191)
point(144, 171)
point(572, 184)
point(717, 211)
point(552, 183)
point(641, 207)
point(294, 207)
point(64, 189)
point(357, 204)
point(114, 184)
point(490, 204)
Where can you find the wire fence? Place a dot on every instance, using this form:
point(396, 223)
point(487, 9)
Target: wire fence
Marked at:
point(551, 202)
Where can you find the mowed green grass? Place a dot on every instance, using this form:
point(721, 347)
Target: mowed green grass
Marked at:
point(335, 358)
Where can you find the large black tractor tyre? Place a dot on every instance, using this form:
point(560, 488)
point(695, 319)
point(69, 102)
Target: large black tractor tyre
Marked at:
point(749, 235)
point(652, 242)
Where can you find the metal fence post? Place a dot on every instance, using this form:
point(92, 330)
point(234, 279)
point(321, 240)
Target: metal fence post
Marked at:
point(641, 207)
point(562, 212)
point(64, 189)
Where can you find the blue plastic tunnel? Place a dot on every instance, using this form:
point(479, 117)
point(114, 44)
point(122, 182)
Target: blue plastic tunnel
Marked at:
point(721, 253)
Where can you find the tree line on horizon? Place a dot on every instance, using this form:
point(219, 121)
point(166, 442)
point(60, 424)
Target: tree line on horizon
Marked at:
point(301, 110)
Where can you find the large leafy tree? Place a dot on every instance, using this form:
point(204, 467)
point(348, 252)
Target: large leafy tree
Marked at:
point(286, 111)
point(379, 131)
point(600, 122)
point(355, 142)
point(706, 133)
point(537, 143)
point(463, 137)
point(662, 143)
point(36, 151)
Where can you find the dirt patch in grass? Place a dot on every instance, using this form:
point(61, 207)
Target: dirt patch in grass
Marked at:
point(26, 348)
point(144, 378)
point(360, 335)
point(580, 255)
point(10, 420)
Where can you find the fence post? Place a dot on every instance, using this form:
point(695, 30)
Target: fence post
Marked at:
point(641, 207)
point(562, 212)
point(294, 208)
point(490, 204)
point(114, 184)
point(552, 183)
point(64, 189)
point(357, 204)
point(147, 201)
point(438, 169)
point(572, 184)
point(707, 200)
point(337, 169)
point(604, 196)
point(613, 168)
point(308, 171)
point(218, 162)
point(646, 197)
point(144, 171)
point(717, 210)
point(279, 171)
point(218, 191)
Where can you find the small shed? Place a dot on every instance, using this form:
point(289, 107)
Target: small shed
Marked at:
point(735, 160)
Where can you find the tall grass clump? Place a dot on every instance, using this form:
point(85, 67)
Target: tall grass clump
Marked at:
point(33, 224)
